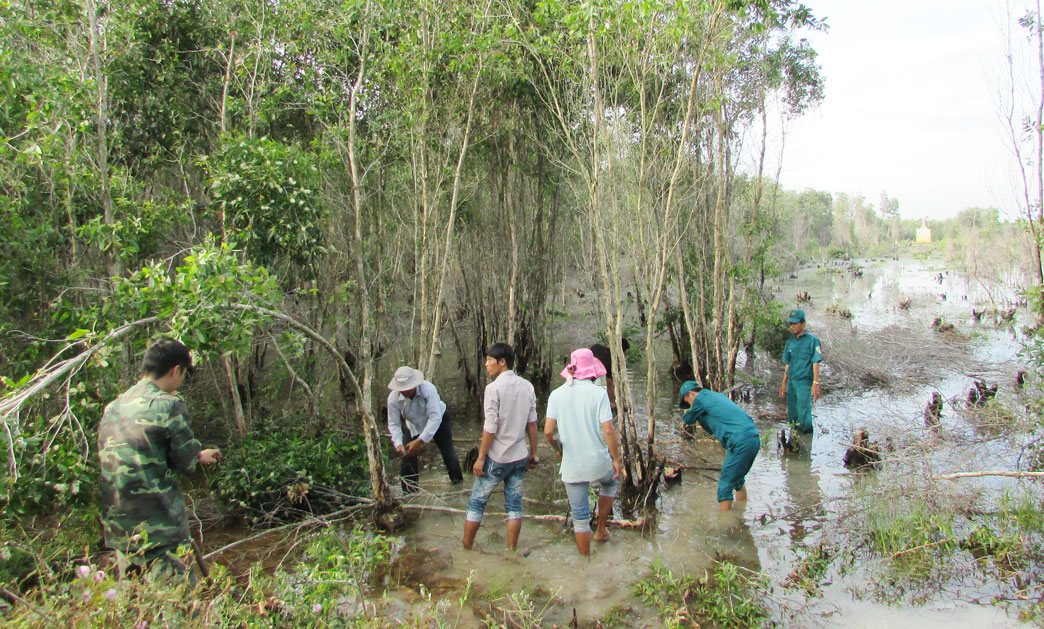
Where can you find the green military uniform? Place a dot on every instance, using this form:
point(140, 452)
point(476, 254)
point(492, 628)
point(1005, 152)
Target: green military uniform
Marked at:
point(733, 428)
point(800, 353)
point(144, 438)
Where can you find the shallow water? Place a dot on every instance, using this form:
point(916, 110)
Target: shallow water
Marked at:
point(794, 502)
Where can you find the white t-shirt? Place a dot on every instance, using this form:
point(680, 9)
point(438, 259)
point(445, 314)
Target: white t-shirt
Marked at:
point(580, 409)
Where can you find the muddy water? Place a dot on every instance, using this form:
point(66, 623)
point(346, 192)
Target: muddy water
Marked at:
point(794, 502)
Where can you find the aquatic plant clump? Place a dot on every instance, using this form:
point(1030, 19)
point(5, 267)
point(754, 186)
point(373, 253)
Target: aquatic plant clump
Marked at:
point(921, 544)
point(725, 597)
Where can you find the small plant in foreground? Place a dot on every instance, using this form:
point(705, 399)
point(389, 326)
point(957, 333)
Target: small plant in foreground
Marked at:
point(724, 597)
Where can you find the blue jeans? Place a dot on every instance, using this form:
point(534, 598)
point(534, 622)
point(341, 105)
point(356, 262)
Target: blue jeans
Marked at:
point(581, 506)
point(493, 472)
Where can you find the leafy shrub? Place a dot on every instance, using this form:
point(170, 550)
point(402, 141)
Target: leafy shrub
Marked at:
point(284, 474)
point(325, 589)
point(268, 191)
point(50, 476)
point(771, 333)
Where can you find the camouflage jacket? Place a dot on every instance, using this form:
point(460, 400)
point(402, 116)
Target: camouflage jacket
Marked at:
point(143, 439)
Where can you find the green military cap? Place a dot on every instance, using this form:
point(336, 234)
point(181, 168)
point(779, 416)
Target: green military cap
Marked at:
point(796, 316)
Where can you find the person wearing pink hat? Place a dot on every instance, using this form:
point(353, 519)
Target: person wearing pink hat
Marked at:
point(417, 401)
point(587, 444)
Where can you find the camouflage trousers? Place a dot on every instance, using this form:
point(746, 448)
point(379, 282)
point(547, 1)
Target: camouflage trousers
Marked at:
point(156, 564)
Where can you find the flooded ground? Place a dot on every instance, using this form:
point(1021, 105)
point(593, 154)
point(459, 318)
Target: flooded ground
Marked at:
point(881, 367)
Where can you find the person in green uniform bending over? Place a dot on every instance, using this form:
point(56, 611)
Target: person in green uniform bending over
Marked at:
point(733, 428)
point(144, 437)
point(801, 357)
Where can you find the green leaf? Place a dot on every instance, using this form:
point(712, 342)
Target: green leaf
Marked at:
point(79, 333)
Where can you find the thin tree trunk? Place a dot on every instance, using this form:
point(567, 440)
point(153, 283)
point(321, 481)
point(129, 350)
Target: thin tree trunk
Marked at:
point(455, 195)
point(375, 457)
point(237, 402)
point(224, 86)
point(102, 121)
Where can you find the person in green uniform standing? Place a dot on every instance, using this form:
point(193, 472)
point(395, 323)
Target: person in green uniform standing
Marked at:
point(801, 357)
point(733, 428)
point(143, 439)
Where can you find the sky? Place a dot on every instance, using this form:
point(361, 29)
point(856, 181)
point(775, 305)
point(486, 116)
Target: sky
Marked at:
point(911, 106)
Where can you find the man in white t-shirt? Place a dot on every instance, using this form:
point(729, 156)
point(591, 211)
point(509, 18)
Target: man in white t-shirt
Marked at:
point(509, 411)
point(580, 411)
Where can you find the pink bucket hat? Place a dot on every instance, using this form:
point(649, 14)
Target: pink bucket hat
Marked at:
point(583, 365)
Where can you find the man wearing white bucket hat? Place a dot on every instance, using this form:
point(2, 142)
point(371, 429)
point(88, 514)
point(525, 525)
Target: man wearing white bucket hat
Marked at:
point(417, 401)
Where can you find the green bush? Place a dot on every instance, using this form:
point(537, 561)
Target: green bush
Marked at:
point(284, 474)
point(771, 333)
point(325, 589)
point(50, 476)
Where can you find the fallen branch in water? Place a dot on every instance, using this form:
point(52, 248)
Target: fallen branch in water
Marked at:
point(710, 468)
point(325, 520)
point(995, 473)
point(623, 524)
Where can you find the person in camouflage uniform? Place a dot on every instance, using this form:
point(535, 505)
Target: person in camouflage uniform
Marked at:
point(143, 439)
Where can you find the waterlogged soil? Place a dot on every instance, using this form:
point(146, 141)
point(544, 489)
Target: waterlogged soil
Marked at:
point(881, 366)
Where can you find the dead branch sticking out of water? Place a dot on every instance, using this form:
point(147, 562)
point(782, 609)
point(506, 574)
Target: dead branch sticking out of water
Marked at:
point(933, 412)
point(836, 309)
point(788, 444)
point(981, 393)
point(639, 523)
point(862, 453)
point(988, 473)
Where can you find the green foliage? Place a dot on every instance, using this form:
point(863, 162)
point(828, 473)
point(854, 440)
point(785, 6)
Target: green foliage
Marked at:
point(55, 472)
point(267, 193)
point(163, 78)
point(38, 550)
point(325, 589)
point(138, 231)
point(771, 333)
point(198, 299)
point(335, 570)
point(283, 474)
point(911, 540)
point(723, 598)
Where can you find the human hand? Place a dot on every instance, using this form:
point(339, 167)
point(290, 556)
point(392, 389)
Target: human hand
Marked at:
point(783, 390)
point(401, 450)
point(414, 448)
point(209, 456)
point(617, 468)
point(815, 391)
point(479, 468)
point(533, 462)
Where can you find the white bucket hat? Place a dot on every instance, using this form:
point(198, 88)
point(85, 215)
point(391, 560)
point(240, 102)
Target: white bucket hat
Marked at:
point(406, 378)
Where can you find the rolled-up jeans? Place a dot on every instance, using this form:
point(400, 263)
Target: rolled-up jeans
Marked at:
point(492, 473)
point(581, 505)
